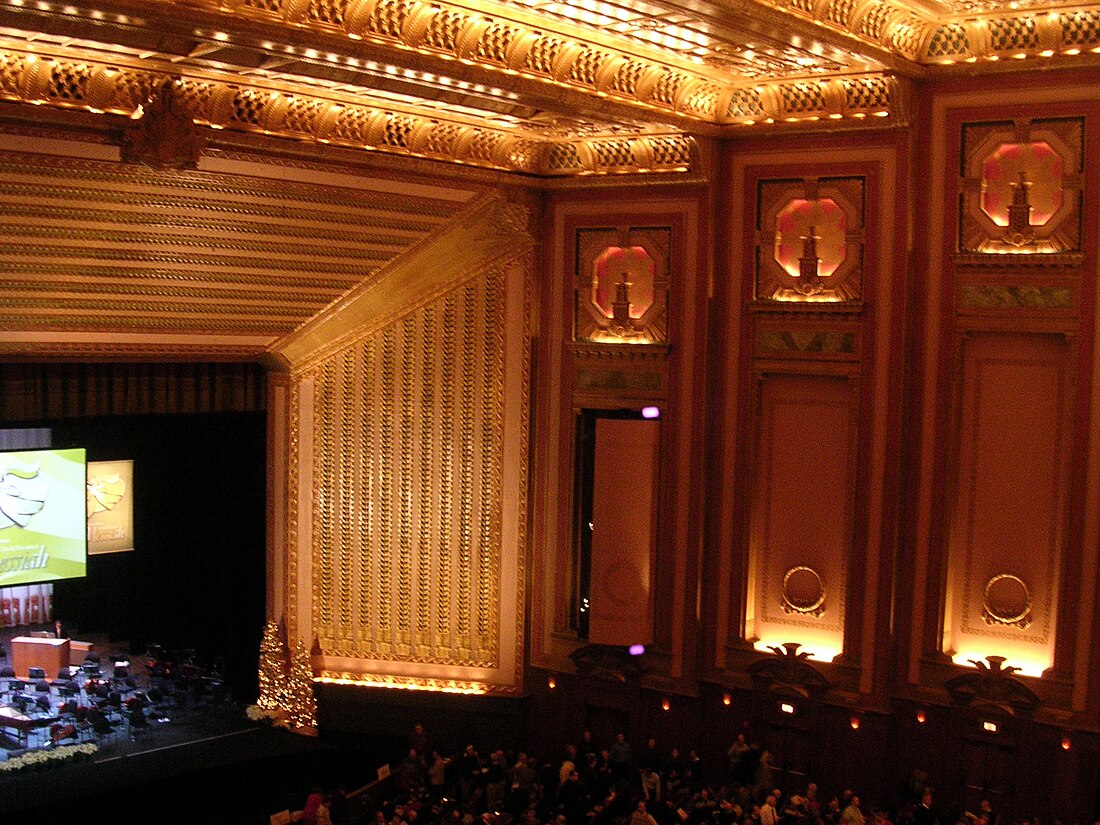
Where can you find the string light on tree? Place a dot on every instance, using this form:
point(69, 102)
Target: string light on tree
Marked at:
point(273, 669)
point(301, 704)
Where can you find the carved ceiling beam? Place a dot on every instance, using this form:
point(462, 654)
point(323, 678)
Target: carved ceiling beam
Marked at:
point(916, 34)
point(189, 40)
point(453, 33)
point(1023, 36)
point(72, 83)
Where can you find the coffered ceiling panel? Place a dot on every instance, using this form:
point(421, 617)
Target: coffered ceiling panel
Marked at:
point(111, 254)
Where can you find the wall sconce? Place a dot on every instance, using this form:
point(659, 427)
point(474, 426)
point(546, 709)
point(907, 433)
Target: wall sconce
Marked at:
point(787, 707)
point(1067, 743)
point(726, 699)
point(990, 727)
point(666, 705)
point(922, 717)
point(551, 683)
point(854, 721)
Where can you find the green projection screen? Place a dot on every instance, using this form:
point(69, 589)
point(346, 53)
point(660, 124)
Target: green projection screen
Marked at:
point(43, 515)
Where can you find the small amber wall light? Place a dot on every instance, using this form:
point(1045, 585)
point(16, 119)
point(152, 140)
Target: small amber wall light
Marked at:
point(726, 699)
point(551, 683)
point(854, 722)
point(1067, 743)
point(666, 704)
point(922, 717)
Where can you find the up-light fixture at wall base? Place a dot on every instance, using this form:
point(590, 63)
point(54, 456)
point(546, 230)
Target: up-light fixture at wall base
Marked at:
point(430, 685)
point(1028, 665)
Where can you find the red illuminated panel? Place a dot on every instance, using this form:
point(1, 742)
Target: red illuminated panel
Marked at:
point(793, 224)
point(608, 271)
point(1042, 169)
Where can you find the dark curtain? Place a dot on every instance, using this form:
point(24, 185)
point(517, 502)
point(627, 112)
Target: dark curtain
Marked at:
point(51, 391)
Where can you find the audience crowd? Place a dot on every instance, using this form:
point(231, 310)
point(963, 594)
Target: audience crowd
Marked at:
point(613, 784)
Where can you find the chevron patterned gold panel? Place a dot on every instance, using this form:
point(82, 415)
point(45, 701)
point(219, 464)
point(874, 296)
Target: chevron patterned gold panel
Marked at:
point(407, 522)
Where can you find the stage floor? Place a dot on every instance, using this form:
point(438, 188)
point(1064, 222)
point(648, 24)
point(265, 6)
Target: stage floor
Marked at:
point(206, 762)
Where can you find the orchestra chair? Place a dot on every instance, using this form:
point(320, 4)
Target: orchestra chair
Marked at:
point(136, 721)
point(16, 611)
point(68, 688)
point(101, 725)
point(5, 613)
point(64, 676)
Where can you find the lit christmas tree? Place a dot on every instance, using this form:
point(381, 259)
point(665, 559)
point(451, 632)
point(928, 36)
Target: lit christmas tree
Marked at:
point(301, 704)
point(273, 669)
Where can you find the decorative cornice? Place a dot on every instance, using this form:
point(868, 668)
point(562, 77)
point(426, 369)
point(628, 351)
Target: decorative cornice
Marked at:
point(67, 82)
point(925, 38)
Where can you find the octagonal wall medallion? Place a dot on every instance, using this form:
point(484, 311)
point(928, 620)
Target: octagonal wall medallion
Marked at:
point(809, 240)
point(1020, 191)
point(621, 285)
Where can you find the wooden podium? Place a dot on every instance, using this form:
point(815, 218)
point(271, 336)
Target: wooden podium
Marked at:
point(49, 654)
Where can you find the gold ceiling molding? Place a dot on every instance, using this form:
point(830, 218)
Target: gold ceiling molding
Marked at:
point(495, 42)
point(694, 91)
point(81, 84)
point(70, 83)
point(1038, 34)
point(926, 38)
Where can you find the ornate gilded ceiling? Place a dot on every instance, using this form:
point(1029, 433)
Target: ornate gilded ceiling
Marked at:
point(540, 87)
point(104, 259)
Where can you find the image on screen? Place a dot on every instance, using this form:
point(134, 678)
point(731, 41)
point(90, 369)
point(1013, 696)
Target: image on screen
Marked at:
point(110, 507)
point(43, 515)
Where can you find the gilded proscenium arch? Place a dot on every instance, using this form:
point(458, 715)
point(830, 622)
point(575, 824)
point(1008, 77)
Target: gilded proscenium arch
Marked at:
point(485, 249)
point(511, 47)
point(930, 39)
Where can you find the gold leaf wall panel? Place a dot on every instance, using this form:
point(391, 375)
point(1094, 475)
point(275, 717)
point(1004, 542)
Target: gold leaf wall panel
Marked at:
point(802, 511)
point(1011, 478)
point(407, 521)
